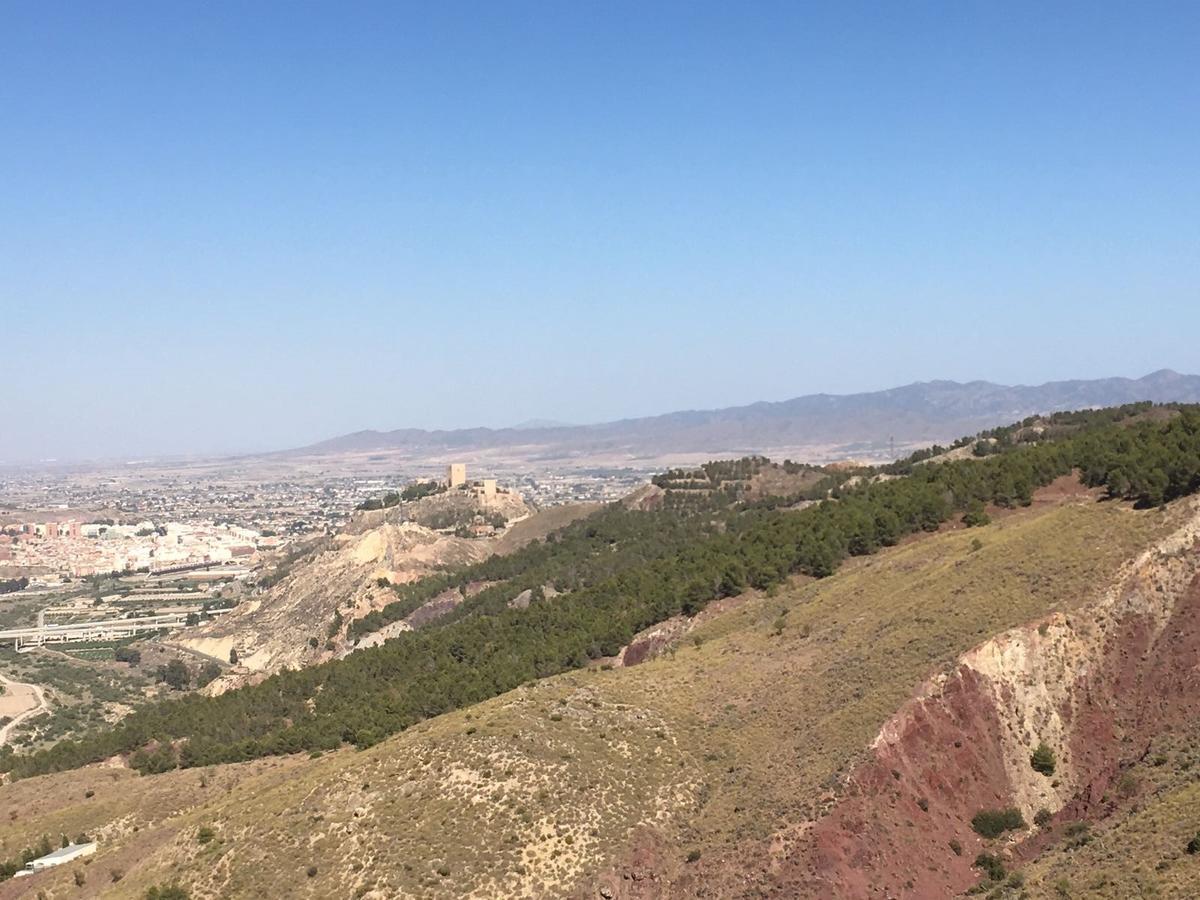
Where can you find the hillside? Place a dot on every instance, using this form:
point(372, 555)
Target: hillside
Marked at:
point(337, 578)
point(299, 619)
point(924, 412)
point(606, 782)
point(937, 675)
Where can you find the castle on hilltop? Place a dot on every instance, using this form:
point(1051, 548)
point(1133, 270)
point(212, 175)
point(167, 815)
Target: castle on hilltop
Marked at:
point(456, 478)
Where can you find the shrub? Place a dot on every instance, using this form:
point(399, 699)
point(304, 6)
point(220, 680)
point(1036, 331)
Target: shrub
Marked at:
point(1193, 846)
point(991, 823)
point(167, 892)
point(1078, 834)
point(312, 872)
point(1127, 785)
point(80, 878)
point(154, 762)
point(956, 847)
point(127, 655)
point(175, 673)
point(1042, 759)
point(693, 856)
point(975, 516)
point(991, 865)
point(209, 673)
point(1042, 817)
point(205, 834)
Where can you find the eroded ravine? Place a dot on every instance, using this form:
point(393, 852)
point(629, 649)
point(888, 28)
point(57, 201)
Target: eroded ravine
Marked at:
point(1096, 684)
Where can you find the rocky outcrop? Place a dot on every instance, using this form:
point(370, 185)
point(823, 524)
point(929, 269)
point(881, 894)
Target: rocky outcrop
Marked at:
point(280, 627)
point(447, 510)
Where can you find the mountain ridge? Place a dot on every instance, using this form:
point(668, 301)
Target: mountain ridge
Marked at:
point(921, 411)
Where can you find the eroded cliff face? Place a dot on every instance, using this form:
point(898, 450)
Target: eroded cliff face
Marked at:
point(1096, 684)
point(275, 629)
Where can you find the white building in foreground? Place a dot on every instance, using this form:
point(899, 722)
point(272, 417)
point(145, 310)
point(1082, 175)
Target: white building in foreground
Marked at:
point(65, 855)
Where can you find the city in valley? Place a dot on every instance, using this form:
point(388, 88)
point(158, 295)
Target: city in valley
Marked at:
point(122, 571)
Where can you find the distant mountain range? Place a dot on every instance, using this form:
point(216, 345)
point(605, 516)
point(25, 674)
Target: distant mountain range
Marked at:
point(922, 412)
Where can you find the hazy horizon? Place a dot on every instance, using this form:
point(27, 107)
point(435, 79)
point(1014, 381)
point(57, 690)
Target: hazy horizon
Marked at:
point(530, 423)
point(231, 230)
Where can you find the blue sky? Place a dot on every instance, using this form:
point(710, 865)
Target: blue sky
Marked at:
point(230, 226)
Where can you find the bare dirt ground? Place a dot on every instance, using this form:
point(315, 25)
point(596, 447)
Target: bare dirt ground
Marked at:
point(18, 702)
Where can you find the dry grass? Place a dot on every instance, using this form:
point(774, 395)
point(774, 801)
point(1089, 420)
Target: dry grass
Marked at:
point(542, 523)
point(779, 719)
point(733, 738)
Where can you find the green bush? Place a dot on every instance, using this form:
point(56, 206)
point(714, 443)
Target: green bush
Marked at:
point(975, 516)
point(205, 834)
point(991, 823)
point(1042, 759)
point(991, 866)
point(154, 762)
point(127, 655)
point(209, 673)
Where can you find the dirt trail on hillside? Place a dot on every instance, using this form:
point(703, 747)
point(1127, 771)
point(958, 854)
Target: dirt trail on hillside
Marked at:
point(19, 701)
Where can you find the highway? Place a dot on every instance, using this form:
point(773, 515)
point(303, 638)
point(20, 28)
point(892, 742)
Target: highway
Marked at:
point(101, 630)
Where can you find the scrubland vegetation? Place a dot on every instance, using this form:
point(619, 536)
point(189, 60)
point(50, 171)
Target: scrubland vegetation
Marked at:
point(720, 742)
